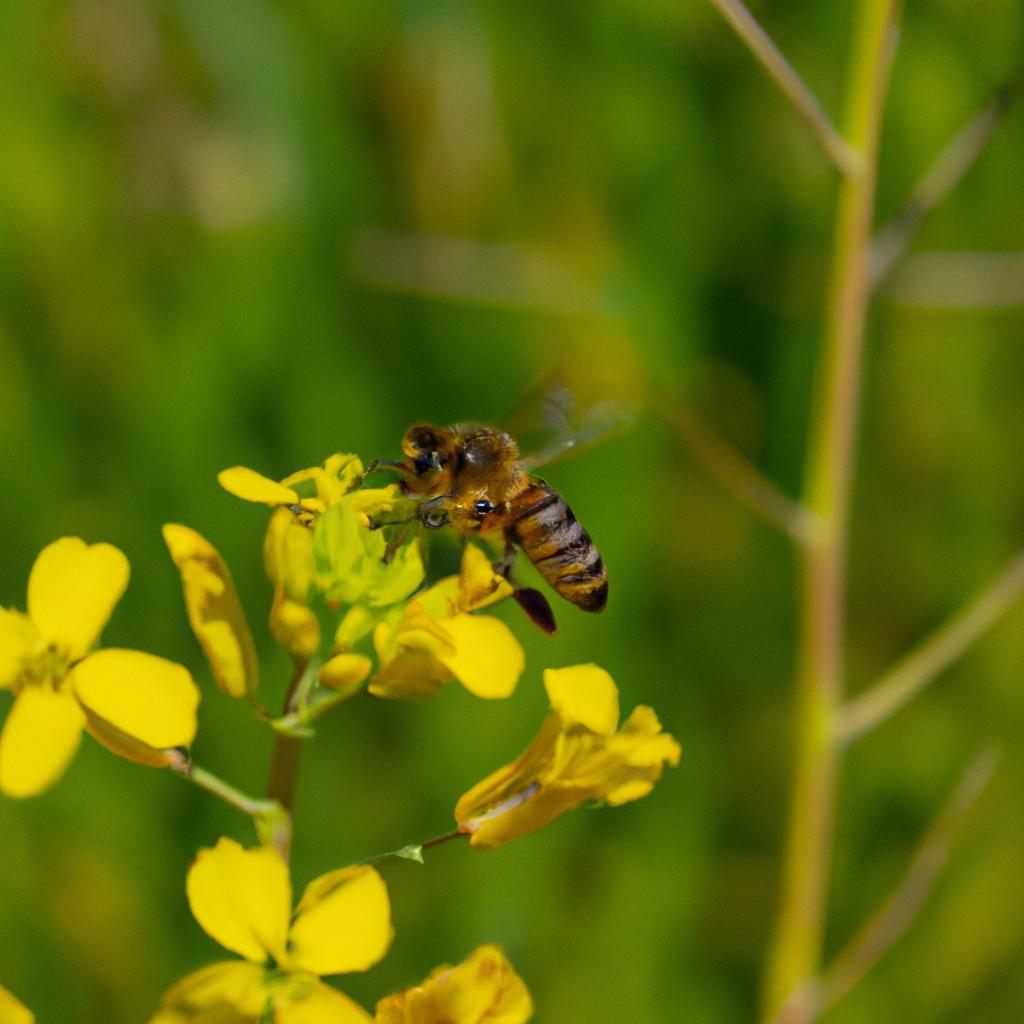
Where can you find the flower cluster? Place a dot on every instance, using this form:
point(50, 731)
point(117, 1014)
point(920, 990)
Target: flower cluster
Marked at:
point(351, 606)
point(242, 898)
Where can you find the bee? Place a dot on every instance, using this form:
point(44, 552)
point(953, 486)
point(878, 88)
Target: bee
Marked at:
point(473, 478)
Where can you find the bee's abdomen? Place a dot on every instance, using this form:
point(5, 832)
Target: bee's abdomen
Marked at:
point(559, 547)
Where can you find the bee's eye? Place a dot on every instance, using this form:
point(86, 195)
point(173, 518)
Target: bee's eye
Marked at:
point(422, 463)
point(482, 507)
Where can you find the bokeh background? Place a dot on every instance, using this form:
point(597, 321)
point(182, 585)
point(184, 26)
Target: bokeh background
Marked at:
point(256, 232)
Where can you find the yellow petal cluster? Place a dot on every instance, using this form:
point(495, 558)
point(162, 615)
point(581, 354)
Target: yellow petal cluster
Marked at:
point(318, 542)
point(579, 755)
point(135, 704)
point(483, 989)
point(11, 1011)
point(436, 639)
point(214, 611)
point(242, 898)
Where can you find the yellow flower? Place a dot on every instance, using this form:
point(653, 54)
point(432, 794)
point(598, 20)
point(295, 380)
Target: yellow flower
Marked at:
point(578, 755)
point(322, 544)
point(435, 638)
point(483, 989)
point(136, 704)
point(214, 611)
point(291, 568)
point(242, 898)
point(331, 482)
point(11, 1011)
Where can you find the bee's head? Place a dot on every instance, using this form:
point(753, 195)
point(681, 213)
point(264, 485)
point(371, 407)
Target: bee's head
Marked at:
point(428, 447)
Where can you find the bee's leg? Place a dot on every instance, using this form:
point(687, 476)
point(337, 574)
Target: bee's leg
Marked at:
point(504, 565)
point(387, 465)
point(376, 524)
point(432, 513)
point(394, 544)
point(303, 516)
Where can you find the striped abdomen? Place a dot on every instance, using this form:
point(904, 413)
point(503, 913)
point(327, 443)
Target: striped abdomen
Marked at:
point(547, 531)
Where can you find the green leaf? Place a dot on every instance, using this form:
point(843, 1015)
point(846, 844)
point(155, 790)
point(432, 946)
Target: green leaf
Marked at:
point(411, 852)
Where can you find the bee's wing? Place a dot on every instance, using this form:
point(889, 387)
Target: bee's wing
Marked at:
point(551, 424)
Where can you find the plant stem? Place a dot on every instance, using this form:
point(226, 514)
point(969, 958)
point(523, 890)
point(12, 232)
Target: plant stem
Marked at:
point(888, 924)
point(916, 670)
point(789, 82)
point(228, 793)
point(795, 953)
point(734, 473)
point(893, 239)
point(284, 763)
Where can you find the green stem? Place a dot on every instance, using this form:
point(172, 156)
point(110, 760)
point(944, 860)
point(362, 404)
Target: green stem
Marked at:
point(795, 954)
point(792, 86)
point(229, 794)
point(916, 670)
point(414, 851)
point(284, 763)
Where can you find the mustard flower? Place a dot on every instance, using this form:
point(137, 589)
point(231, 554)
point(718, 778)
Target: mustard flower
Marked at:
point(483, 989)
point(135, 704)
point(11, 1011)
point(435, 638)
point(242, 898)
point(214, 611)
point(322, 544)
point(580, 754)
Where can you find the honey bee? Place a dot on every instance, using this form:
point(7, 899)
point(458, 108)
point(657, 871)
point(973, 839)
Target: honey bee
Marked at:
point(473, 478)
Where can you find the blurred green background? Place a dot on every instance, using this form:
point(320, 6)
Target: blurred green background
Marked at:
point(258, 233)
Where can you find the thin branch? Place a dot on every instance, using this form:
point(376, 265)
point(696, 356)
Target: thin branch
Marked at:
point(789, 82)
point(414, 851)
point(948, 170)
point(735, 474)
point(892, 919)
point(284, 763)
point(958, 280)
point(918, 668)
point(183, 766)
point(795, 952)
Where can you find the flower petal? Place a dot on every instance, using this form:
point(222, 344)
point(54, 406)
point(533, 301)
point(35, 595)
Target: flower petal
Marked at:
point(333, 480)
point(483, 989)
point(249, 485)
point(242, 898)
point(531, 811)
point(411, 675)
point(149, 698)
point(230, 991)
point(344, 670)
point(214, 611)
point(342, 924)
point(117, 741)
point(288, 555)
point(294, 626)
point(305, 1000)
point(585, 694)
point(492, 811)
point(479, 584)
point(487, 660)
point(11, 1011)
point(18, 639)
point(39, 739)
point(72, 590)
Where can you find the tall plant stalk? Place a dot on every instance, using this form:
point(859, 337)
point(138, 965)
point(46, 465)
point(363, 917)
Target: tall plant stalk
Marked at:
point(795, 955)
